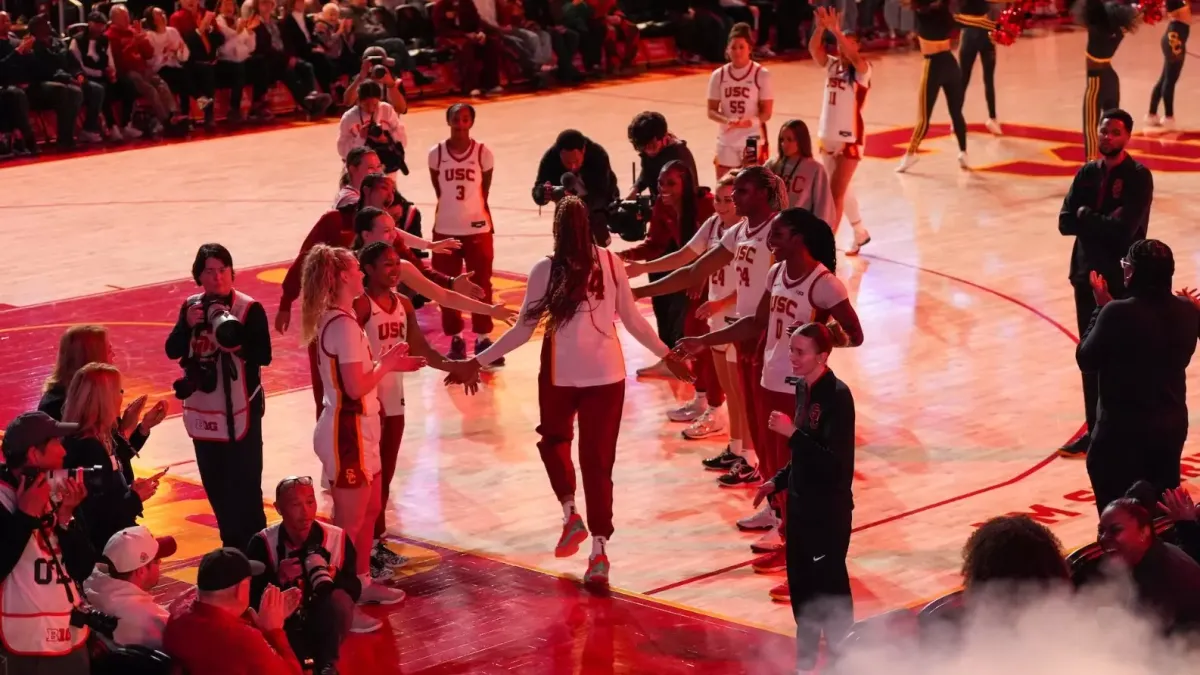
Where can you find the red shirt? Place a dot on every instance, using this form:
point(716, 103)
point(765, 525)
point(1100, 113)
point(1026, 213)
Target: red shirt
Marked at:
point(663, 233)
point(131, 51)
point(204, 640)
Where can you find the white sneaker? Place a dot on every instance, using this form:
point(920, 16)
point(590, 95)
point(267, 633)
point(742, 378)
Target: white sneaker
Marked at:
point(378, 594)
point(1152, 120)
point(861, 238)
point(360, 622)
point(131, 132)
point(994, 127)
point(1168, 123)
point(770, 542)
point(476, 92)
point(688, 411)
point(114, 134)
point(907, 162)
point(708, 423)
point(763, 520)
point(89, 136)
point(962, 161)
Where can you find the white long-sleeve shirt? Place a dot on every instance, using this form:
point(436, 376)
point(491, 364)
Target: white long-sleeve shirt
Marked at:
point(238, 46)
point(353, 120)
point(169, 49)
point(586, 352)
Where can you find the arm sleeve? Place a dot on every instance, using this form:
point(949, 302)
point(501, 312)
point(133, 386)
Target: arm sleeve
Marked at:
point(1098, 339)
point(522, 330)
point(180, 337)
point(631, 316)
point(1124, 227)
point(729, 240)
point(834, 434)
point(782, 477)
point(659, 234)
point(15, 529)
point(822, 196)
point(487, 161)
point(272, 656)
point(829, 291)
point(545, 174)
point(78, 554)
point(257, 349)
point(698, 244)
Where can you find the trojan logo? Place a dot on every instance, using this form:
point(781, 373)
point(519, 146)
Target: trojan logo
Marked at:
point(1059, 152)
point(1175, 43)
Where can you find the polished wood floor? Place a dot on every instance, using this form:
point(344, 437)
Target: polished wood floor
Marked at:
point(965, 385)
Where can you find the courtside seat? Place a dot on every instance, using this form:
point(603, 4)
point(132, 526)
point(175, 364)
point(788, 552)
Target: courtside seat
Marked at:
point(1085, 564)
point(946, 609)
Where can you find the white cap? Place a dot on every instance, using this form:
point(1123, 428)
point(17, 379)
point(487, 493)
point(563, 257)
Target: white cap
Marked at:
point(134, 547)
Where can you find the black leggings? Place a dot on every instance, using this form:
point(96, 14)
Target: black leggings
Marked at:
point(1174, 49)
point(941, 73)
point(975, 42)
point(1103, 92)
point(818, 539)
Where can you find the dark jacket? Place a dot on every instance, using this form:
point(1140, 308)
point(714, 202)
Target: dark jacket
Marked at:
point(16, 527)
point(13, 66)
point(265, 44)
point(1168, 583)
point(1140, 347)
point(51, 61)
point(821, 471)
point(652, 166)
point(598, 180)
point(294, 41)
point(1119, 200)
point(116, 507)
point(367, 26)
point(345, 579)
point(201, 48)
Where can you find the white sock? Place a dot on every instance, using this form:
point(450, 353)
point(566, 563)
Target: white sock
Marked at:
point(568, 509)
point(599, 546)
point(850, 208)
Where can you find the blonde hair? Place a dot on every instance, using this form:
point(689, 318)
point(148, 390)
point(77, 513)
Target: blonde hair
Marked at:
point(77, 347)
point(320, 283)
point(92, 402)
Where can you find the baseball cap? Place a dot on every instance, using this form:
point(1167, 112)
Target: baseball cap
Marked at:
point(378, 53)
point(31, 430)
point(225, 568)
point(134, 547)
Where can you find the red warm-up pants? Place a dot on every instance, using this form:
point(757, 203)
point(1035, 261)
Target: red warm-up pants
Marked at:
point(749, 367)
point(477, 254)
point(706, 374)
point(774, 451)
point(599, 412)
point(391, 431)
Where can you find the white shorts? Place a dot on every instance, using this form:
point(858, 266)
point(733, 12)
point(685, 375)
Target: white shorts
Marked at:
point(348, 446)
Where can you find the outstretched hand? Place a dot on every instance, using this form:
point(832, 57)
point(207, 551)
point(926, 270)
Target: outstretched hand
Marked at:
point(1178, 505)
point(1190, 294)
point(465, 373)
point(677, 364)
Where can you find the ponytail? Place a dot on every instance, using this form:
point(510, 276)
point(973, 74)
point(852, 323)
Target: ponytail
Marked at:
point(319, 285)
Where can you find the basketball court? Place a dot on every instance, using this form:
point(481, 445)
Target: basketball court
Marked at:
point(964, 387)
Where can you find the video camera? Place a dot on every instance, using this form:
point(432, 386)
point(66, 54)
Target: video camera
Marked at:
point(628, 218)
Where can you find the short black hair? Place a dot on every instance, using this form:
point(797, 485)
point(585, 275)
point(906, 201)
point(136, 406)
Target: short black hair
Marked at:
point(1120, 116)
point(369, 89)
point(646, 127)
point(205, 252)
point(1153, 266)
point(571, 139)
point(456, 107)
point(364, 220)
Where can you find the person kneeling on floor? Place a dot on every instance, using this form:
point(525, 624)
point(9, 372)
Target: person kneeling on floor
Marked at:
point(319, 559)
point(121, 586)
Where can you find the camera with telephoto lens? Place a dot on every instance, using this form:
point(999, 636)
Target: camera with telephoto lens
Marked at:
point(92, 478)
point(224, 326)
point(199, 374)
point(628, 218)
point(378, 70)
point(316, 576)
point(554, 193)
point(89, 617)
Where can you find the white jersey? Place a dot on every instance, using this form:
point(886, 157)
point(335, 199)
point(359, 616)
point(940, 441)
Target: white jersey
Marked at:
point(385, 330)
point(794, 302)
point(462, 209)
point(346, 438)
point(751, 261)
point(740, 93)
point(721, 283)
point(841, 108)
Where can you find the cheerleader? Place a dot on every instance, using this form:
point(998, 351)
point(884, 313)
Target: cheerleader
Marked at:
point(1107, 23)
point(804, 177)
point(841, 131)
point(941, 73)
point(740, 100)
point(346, 438)
point(975, 40)
point(461, 171)
point(1174, 49)
point(389, 320)
point(580, 290)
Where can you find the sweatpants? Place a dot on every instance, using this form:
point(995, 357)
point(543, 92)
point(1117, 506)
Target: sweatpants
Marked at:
point(706, 374)
point(975, 42)
point(476, 254)
point(774, 452)
point(231, 473)
point(818, 540)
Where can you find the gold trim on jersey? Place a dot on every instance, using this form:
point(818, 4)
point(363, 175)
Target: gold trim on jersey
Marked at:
point(1099, 61)
point(975, 21)
point(931, 47)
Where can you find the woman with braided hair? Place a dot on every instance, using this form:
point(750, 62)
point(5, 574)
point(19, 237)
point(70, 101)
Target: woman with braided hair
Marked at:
point(579, 291)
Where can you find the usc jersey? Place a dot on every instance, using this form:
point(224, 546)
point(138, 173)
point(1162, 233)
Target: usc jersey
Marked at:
point(740, 93)
point(462, 209)
point(841, 108)
point(751, 261)
point(385, 330)
point(794, 302)
point(720, 284)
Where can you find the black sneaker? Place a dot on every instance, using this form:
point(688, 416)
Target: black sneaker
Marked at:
point(458, 349)
point(386, 557)
point(482, 344)
point(721, 462)
point(1076, 449)
point(740, 475)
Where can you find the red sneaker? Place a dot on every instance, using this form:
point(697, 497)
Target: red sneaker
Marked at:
point(781, 593)
point(574, 533)
point(597, 571)
point(770, 564)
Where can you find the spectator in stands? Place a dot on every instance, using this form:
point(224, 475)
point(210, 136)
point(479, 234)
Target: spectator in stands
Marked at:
point(373, 123)
point(36, 635)
point(393, 88)
point(286, 550)
point(370, 30)
point(300, 42)
point(171, 54)
point(533, 41)
point(78, 346)
point(94, 404)
point(132, 52)
point(56, 83)
point(335, 34)
point(587, 160)
point(656, 146)
point(1167, 579)
point(1010, 551)
point(621, 37)
point(92, 50)
point(295, 73)
point(457, 27)
point(547, 15)
point(217, 632)
point(14, 104)
point(121, 586)
point(198, 29)
point(234, 65)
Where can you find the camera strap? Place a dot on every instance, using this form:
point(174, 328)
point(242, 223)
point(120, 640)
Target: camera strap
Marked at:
point(59, 569)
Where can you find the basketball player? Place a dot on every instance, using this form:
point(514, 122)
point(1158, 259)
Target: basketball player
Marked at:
point(346, 438)
point(721, 299)
point(841, 131)
point(580, 290)
point(461, 170)
point(758, 195)
point(389, 320)
point(799, 289)
point(941, 73)
point(740, 100)
point(975, 40)
point(1107, 23)
point(1174, 49)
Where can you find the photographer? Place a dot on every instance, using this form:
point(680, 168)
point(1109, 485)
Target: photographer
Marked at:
point(656, 146)
point(43, 553)
point(319, 559)
point(377, 67)
point(374, 124)
point(222, 340)
point(581, 159)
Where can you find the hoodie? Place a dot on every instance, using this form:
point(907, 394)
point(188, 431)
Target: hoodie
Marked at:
point(141, 620)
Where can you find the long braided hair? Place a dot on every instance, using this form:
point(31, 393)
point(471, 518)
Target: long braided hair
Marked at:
point(572, 267)
point(764, 179)
point(817, 235)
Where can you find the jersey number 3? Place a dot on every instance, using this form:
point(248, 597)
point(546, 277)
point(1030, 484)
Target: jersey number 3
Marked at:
point(460, 192)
